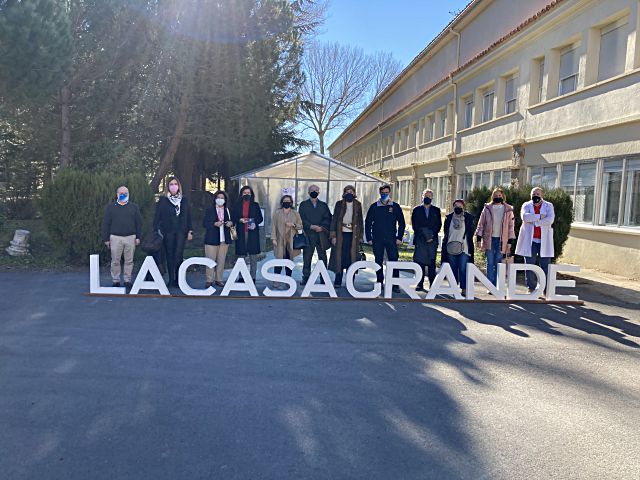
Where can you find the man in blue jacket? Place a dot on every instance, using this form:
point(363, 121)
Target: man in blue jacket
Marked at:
point(384, 227)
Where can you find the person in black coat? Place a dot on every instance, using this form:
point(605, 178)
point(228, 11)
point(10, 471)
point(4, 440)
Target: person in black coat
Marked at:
point(426, 221)
point(173, 220)
point(247, 217)
point(384, 227)
point(217, 223)
point(316, 221)
point(461, 239)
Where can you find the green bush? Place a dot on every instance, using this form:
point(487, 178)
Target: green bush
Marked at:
point(562, 204)
point(73, 205)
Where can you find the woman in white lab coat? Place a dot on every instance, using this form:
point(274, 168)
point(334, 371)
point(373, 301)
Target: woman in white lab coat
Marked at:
point(535, 240)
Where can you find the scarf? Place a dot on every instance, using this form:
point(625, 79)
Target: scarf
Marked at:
point(245, 213)
point(458, 221)
point(176, 200)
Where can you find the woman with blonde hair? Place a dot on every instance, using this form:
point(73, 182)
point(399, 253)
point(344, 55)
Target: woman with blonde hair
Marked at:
point(285, 224)
point(496, 231)
point(173, 220)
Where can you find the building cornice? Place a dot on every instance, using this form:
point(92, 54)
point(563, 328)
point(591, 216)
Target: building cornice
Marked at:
point(432, 45)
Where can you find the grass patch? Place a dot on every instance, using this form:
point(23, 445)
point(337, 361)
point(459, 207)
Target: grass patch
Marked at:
point(43, 255)
point(405, 254)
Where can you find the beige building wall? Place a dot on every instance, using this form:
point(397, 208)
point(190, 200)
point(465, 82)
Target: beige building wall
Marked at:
point(482, 104)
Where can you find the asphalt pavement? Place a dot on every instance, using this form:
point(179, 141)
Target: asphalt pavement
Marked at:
point(168, 388)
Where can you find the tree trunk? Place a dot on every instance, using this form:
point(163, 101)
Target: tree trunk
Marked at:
point(167, 159)
point(184, 167)
point(321, 139)
point(65, 123)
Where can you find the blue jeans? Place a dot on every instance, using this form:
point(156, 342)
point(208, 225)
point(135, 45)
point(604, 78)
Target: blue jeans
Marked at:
point(458, 264)
point(543, 263)
point(494, 257)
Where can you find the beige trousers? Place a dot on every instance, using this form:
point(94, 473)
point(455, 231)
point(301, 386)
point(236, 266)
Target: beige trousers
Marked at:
point(217, 253)
point(119, 246)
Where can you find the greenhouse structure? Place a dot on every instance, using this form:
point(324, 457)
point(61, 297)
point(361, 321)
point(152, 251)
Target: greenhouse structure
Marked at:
point(293, 176)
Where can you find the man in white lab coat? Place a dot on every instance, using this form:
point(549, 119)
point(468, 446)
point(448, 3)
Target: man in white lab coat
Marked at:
point(535, 240)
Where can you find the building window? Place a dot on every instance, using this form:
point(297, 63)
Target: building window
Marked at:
point(502, 178)
point(404, 139)
point(413, 128)
point(465, 185)
point(439, 186)
point(569, 60)
point(404, 192)
point(487, 106)
point(544, 177)
point(443, 122)
point(611, 194)
point(632, 199)
point(584, 198)
point(540, 80)
point(468, 112)
point(613, 50)
point(510, 95)
point(483, 180)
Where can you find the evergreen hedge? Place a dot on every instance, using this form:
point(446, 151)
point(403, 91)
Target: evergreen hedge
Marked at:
point(73, 206)
point(562, 204)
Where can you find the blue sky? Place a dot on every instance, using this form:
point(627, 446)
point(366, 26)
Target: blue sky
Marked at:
point(403, 27)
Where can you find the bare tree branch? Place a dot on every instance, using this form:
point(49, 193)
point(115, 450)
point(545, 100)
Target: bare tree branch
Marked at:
point(385, 69)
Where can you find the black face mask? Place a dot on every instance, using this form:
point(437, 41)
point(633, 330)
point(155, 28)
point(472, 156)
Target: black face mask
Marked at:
point(498, 200)
point(536, 199)
point(458, 210)
point(313, 194)
point(246, 196)
point(426, 200)
point(348, 197)
point(286, 204)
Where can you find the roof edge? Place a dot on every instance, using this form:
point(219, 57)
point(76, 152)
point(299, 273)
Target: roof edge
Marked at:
point(453, 73)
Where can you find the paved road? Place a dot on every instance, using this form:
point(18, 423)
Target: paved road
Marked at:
point(124, 388)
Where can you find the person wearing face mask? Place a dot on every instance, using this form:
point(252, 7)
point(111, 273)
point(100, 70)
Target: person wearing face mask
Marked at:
point(247, 217)
point(316, 219)
point(173, 220)
point(285, 223)
point(457, 244)
point(426, 221)
point(384, 227)
point(121, 229)
point(347, 227)
point(496, 231)
point(217, 223)
point(535, 239)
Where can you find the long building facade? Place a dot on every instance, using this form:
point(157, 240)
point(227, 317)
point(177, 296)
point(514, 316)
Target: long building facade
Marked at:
point(529, 91)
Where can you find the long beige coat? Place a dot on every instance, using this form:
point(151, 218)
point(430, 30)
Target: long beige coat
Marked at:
point(283, 234)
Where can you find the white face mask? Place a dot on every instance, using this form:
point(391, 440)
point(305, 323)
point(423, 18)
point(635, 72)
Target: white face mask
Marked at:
point(219, 201)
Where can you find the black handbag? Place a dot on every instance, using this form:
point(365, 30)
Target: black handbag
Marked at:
point(152, 242)
point(300, 241)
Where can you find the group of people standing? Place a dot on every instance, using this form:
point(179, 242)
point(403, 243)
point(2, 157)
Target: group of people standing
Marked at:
point(494, 234)
point(343, 232)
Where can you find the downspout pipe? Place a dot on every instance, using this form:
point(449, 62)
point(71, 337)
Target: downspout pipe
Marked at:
point(454, 136)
